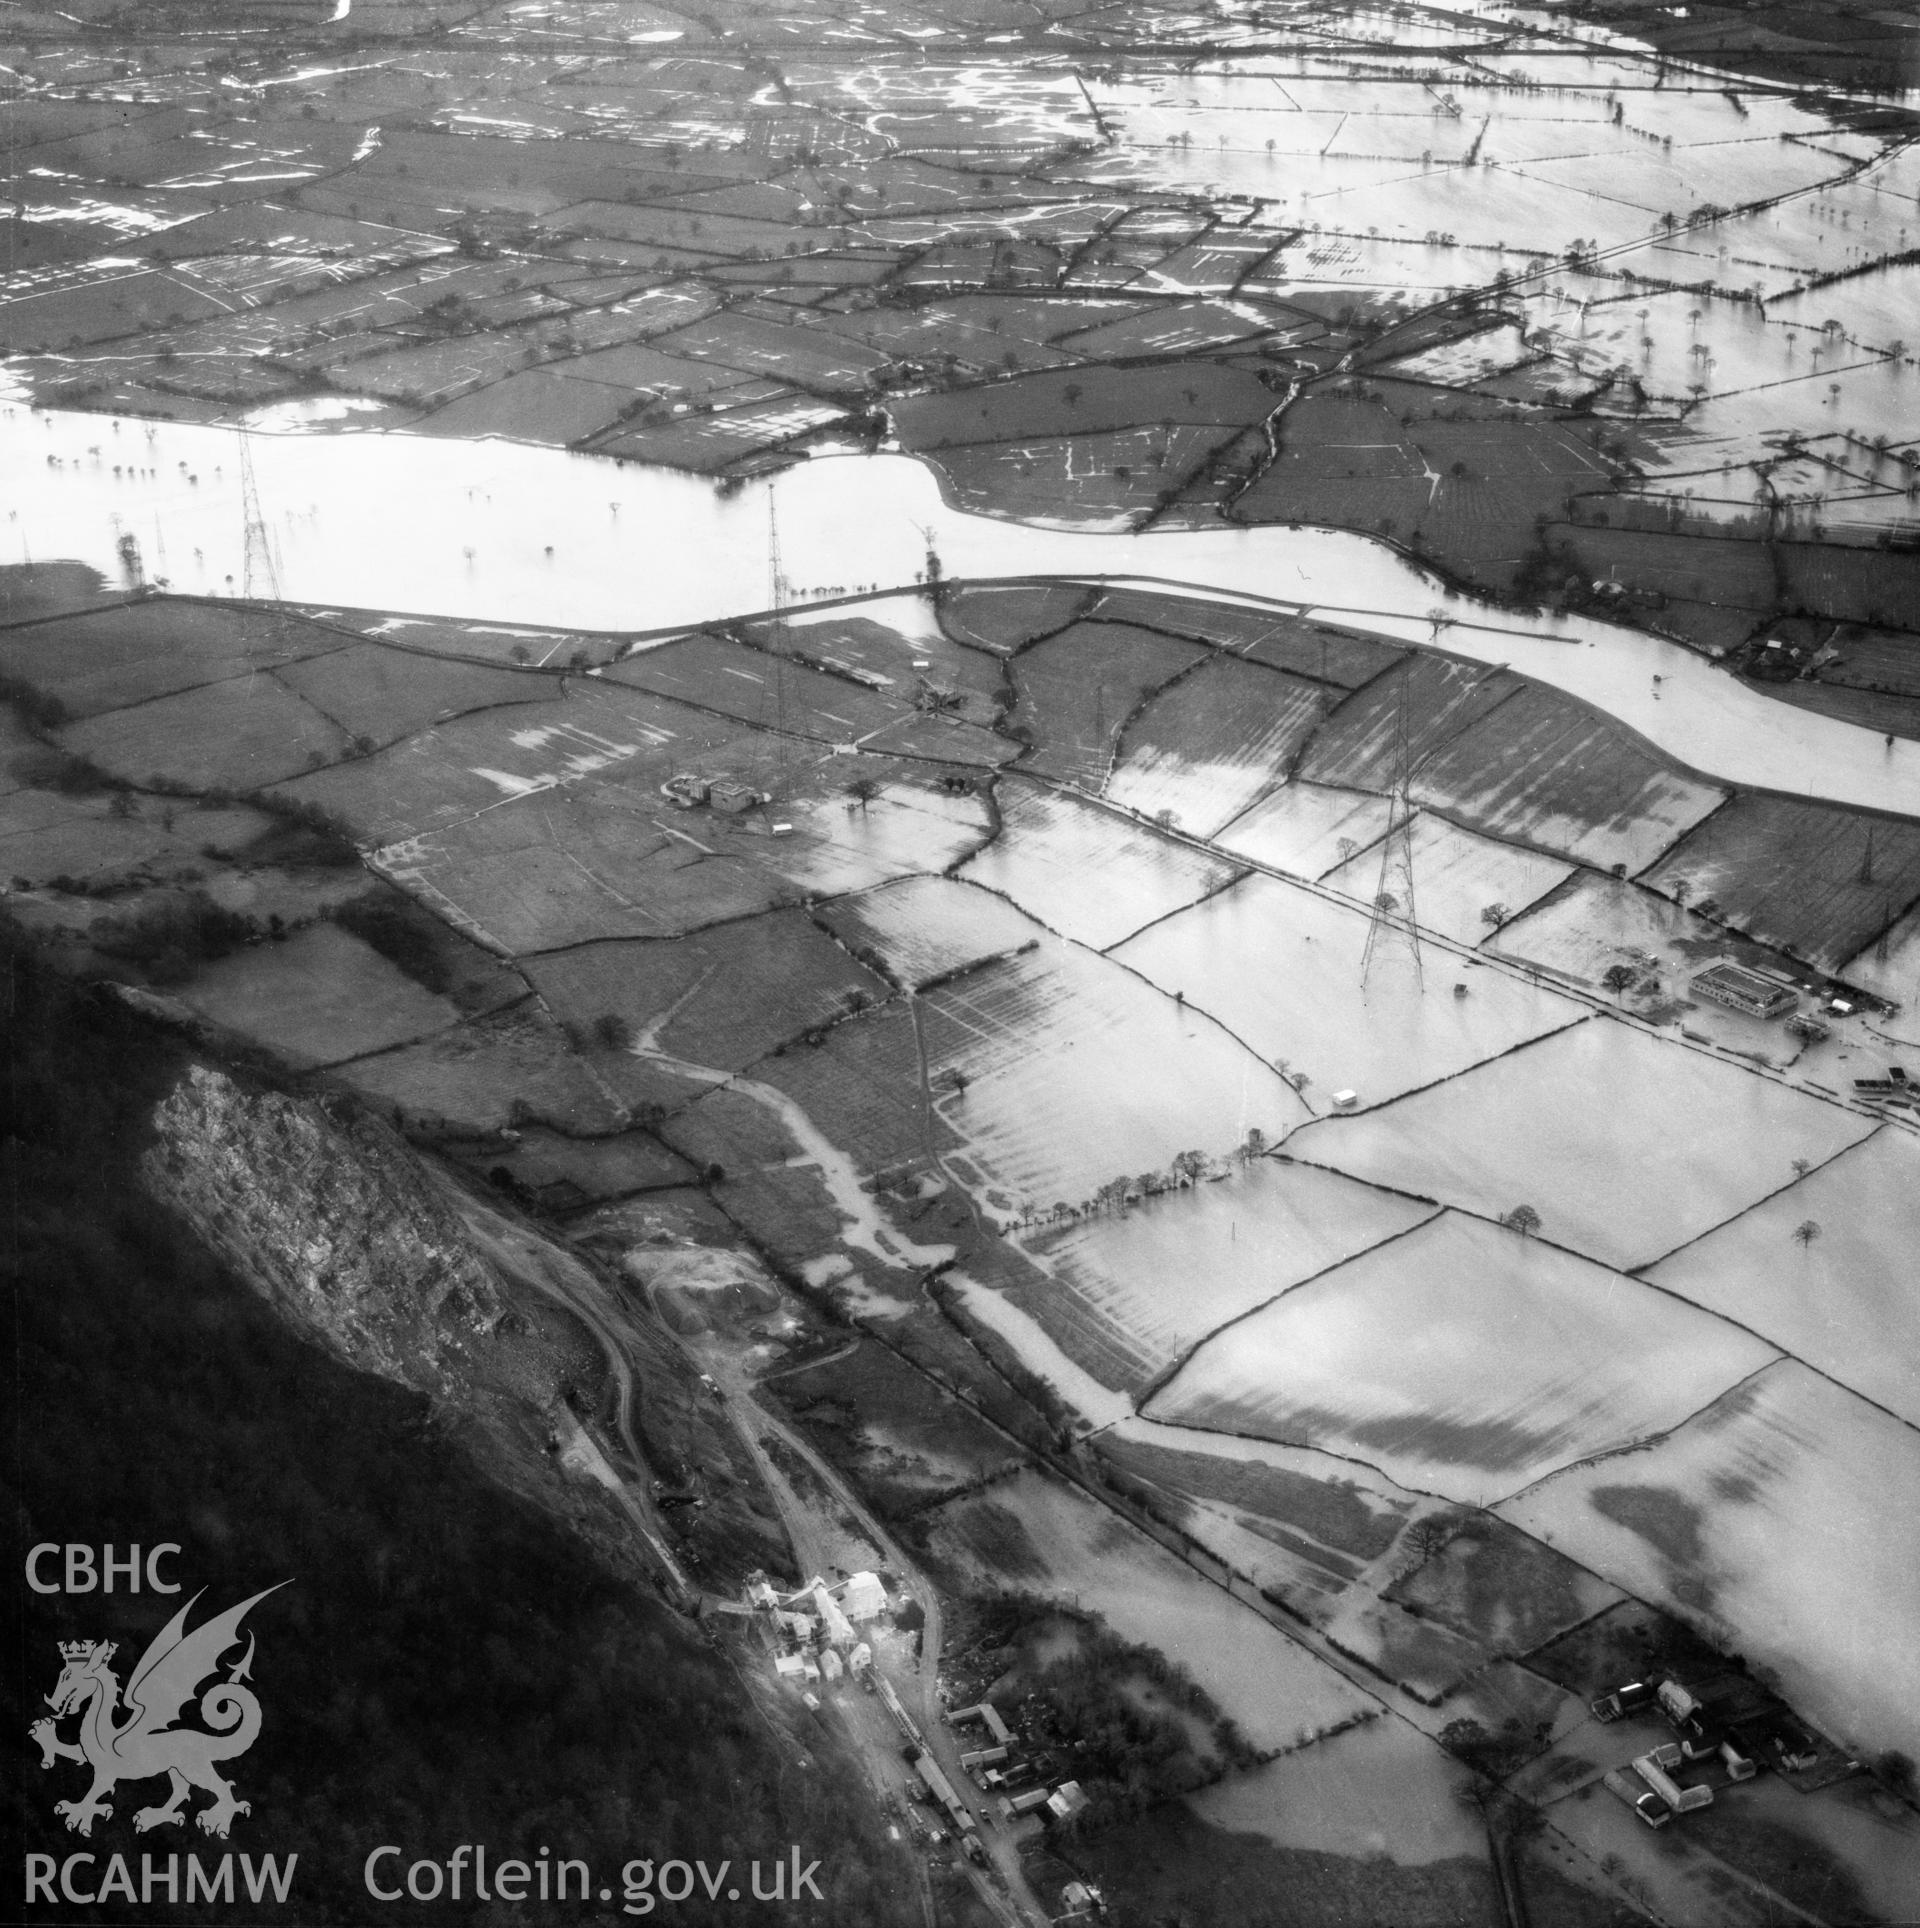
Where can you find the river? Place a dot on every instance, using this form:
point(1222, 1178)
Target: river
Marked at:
point(510, 533)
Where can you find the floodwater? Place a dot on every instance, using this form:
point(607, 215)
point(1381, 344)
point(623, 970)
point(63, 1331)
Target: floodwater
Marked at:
point(507, 532)
point(1381, 1789)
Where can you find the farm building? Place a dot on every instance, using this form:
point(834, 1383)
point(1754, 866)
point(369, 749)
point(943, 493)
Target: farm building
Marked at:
point(1643, 1801)
point(1068, 1799)
point(732, 797)
point(941, 1789)
point(1743, 990)
point(1681, 1799)
point(686, 788)
point(986, 1711)
point(863, 1598)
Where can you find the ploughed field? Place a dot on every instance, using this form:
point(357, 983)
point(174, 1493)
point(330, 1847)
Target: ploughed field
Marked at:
point(1420, 1287)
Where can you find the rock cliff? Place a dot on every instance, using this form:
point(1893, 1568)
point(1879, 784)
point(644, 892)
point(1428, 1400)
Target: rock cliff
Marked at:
point(329, 1214)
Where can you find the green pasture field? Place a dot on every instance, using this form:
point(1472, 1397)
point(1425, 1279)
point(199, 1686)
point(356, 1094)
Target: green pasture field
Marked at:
point(509, 1069)
point(319, 998)
point(435, 372)
point(808, 277)
point(693, 226)
point(888, 638)
point(1501, 1588)
point(1292, 643)
point(1210, 742)
point(31, 590)
point(808, 357)
point(765, 688)
point(1007, 618)
point(735, 991)
point(1084, 402)
point(1317, 1517)
point(1091, 874)
point(1472, 487)
point(920, 928)
point(943, 739)
point(1719, 570)
point(600, 1168)
point(578, 867)
point(106, 307)
point(44, 836)
point(442, 776)
point(1851, 583)
point(877, 1419)
point(782, 1206)
point(1886, 661)
point(1077, 690)
point(1173, 328)
point(1889, 715)
point(535, 405)
point(1357, 747)
point(379, 694)
point(635, 368)
point(458, 638)
point(240, 734)
point(861, 1086)
point(1543, 770)
point(130, 651)
point(707, 444)
point(1817, 880)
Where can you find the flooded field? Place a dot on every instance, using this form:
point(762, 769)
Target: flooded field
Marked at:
point(1382, 1788)
point(1051, 1539)
point(1588, 1362)
point(1286, 970)
point(1818, 1269)
point(639, 548)
point(1153, 1280)
point(1756, 1516)
point(1584, 1128)
point(1099, 679)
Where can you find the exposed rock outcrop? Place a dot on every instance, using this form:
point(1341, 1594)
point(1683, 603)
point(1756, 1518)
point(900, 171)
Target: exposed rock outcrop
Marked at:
point(329, 1214)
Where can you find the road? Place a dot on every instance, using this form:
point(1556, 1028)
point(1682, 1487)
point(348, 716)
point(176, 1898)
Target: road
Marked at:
point(1003, 1884)
point(576, 1290)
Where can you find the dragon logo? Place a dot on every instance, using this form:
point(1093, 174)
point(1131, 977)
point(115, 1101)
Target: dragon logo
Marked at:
point(147, 1741)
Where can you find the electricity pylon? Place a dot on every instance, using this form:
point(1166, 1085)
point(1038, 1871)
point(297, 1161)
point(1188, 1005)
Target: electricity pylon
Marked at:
point(1393, 911)
point(259, 577)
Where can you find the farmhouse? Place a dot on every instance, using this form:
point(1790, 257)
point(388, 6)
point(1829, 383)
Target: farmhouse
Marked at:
point(1066, 1800)
point(1743, 990)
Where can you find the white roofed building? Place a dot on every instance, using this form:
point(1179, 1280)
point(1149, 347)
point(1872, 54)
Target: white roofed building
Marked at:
point(863, 1598)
